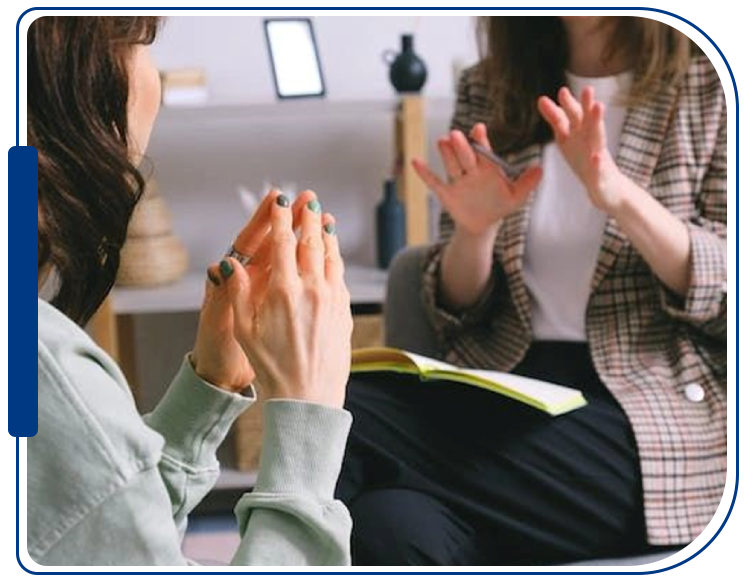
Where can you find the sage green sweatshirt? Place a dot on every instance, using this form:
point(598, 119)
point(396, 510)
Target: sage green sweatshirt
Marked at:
point(108, 487)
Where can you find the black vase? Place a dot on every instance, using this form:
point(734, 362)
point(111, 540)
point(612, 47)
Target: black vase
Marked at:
point(390, 225)
point(407, 71)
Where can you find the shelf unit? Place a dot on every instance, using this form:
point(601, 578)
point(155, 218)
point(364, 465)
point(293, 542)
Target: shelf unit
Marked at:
point(367, 287)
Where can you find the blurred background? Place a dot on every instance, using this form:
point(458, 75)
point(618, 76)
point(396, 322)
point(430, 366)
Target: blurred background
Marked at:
point(232, 132)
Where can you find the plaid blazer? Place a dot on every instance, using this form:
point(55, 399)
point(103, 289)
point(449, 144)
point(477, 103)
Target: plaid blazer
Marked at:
point(662, 357)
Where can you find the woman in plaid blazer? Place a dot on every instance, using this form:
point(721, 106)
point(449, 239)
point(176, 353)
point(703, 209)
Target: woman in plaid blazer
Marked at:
point(644, 464)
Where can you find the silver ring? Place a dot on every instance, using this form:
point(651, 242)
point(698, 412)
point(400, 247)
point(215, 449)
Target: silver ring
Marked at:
point(243, 259)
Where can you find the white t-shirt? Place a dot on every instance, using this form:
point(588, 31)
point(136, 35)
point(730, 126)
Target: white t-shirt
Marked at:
point(566, 230)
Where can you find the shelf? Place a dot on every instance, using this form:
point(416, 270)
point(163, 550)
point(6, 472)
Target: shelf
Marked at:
point(210, 113)
point(367, 286)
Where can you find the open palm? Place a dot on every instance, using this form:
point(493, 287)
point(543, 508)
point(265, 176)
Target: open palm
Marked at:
point(478, 194)
point(582, 139)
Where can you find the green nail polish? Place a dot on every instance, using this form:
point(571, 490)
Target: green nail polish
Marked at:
point(226, 269)
point(314, 206)
point(283, 201)
point(213, 279)
point(330, 229)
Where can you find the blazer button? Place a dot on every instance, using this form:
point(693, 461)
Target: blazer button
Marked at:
point(694, 392)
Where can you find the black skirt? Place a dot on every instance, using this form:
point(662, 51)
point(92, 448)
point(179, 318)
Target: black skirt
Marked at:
point(438, 473)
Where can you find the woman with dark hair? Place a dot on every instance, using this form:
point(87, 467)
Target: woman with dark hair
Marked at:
point(105, 486)
point(600, 264)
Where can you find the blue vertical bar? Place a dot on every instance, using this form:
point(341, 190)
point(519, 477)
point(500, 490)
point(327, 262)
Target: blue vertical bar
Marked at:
point(23, 190)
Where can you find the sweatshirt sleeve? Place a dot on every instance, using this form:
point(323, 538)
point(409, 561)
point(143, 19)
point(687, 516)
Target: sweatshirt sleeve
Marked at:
point(290, 519)
point(194, 418)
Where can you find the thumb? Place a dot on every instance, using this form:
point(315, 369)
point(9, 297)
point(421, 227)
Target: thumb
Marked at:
point(237, 288)
point(479, 133)
point(216, 307)
point(527, 182)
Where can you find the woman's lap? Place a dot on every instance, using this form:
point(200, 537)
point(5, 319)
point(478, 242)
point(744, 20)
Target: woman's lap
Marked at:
point(537, 488)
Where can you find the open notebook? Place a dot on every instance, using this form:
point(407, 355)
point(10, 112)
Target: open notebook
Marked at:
point(549, 398)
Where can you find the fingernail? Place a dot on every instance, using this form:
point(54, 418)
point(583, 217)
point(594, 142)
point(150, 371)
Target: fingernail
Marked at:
point(213, 279)
point(330, 229)
point(283, 201)
point(314, 206)
point(226, 269)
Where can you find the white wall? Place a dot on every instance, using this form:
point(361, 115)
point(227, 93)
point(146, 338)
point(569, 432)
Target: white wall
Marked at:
point(232, 50)
point(343, 154)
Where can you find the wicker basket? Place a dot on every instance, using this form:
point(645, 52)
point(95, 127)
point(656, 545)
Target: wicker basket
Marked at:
point(151, 217)
point(152, 255)
point(152, 261)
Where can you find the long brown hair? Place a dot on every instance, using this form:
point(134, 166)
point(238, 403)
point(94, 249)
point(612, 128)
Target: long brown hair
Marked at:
point(77, 120)
point(525, 57)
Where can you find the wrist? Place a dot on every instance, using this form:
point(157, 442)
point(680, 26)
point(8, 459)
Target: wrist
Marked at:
point(306, 391)
point(216, 380)
point(478, 241)
point(624, 200)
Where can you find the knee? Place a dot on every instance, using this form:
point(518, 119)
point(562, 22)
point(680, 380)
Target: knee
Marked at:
point(394, 527)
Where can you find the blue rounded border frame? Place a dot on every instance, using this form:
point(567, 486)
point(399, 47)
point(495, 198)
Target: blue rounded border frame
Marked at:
point(19, 300)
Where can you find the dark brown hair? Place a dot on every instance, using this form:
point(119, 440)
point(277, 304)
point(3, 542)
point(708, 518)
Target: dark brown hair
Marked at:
point(525, 57)
point(77, 120)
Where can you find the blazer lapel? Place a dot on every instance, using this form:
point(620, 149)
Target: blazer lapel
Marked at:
point(643, 133)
